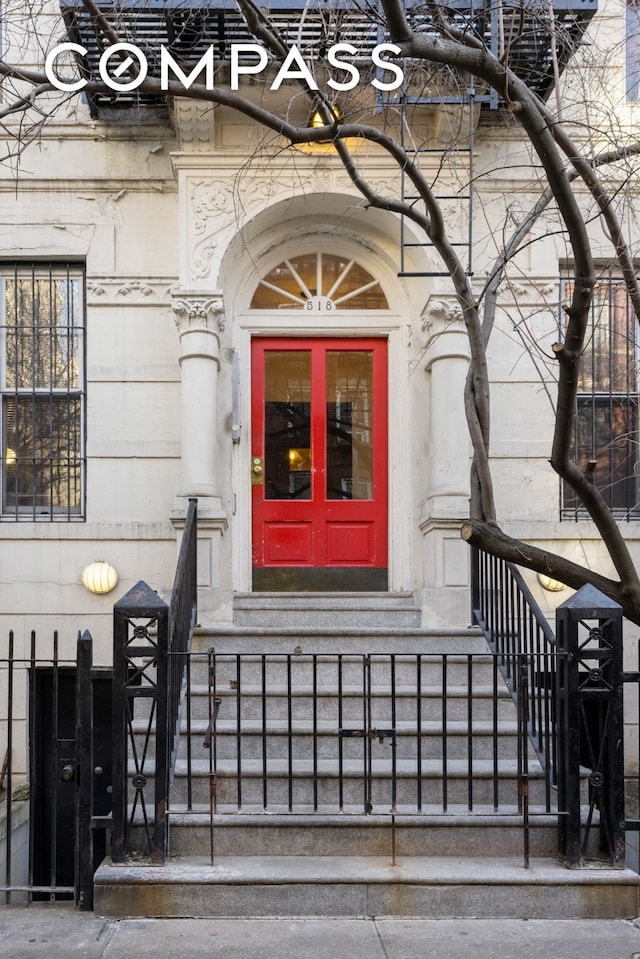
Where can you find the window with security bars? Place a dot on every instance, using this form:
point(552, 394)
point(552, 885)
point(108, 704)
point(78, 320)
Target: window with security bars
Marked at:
point(43, 392)
point(632, 49)
point(606, 422)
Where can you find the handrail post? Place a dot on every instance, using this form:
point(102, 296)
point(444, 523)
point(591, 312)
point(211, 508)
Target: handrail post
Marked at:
point(140, 647)
point(590, 692)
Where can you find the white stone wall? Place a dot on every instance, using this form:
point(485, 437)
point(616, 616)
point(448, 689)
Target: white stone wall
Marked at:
point(199, 209)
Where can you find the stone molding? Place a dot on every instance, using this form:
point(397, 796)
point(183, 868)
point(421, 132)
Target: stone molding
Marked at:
point(135, 290)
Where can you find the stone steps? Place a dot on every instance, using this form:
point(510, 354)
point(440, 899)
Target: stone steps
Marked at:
point(347, 638)
point(300, 780)
point(454, 845)
point(322, 738)
point(450, 886)
point(321, 609)
point(351, 833)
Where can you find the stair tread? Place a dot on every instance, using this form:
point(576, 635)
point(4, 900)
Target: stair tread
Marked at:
point(481, 768)
point(377, 690)
point(438, 870)
point(228, 629)
point(328, 728)
point(481, 816)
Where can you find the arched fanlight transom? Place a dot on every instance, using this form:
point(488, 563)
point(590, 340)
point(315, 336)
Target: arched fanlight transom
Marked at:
point(319, 281)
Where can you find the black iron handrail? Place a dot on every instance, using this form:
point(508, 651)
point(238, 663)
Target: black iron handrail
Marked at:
point(504, 608)
point(183, 612)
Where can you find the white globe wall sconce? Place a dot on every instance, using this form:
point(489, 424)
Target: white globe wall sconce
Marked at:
point(99, 577)
point(551, 585)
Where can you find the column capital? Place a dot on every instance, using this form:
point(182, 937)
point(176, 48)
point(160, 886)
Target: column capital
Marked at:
point(198, 310)
point(443, 312)
point(444, 329)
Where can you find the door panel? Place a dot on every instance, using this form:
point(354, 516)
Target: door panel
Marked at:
point(286, 544)
point(319, 414)
point(350, 544)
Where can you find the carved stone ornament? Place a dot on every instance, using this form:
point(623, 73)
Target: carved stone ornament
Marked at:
point(198, 310)
point(112, 289)
point(527, 288)
point(194, 123)
point(441, 314)
point(211, 211)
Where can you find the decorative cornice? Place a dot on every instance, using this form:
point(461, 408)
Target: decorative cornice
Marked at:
point(198, 310)
point(539, 290)
point(144, 291)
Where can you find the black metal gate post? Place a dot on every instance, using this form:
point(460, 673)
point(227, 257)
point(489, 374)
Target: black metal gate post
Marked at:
point(140, 645)
point(590, 724)
point(84, 774)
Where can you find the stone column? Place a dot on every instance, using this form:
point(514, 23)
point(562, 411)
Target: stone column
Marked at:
point(446, 557)
point(447, 357)
point(200, 321)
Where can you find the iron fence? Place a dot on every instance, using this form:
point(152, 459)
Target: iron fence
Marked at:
point(395, 733)
point(317, 734)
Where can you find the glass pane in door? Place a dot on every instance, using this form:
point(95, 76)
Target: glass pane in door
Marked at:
point(287, 424)
point(350, 424)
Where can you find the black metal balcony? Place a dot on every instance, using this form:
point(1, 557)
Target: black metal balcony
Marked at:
point(188, 27)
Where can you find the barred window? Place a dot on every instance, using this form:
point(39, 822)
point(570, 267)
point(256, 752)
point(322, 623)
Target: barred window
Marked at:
point(42, 391)
point(606, 424)
point(632, 49)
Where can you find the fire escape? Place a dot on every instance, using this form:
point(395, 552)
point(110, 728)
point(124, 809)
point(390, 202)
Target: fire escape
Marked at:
point(537, 38)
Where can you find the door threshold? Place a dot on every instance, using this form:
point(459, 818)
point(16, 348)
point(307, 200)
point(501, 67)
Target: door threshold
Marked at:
point(297, 579)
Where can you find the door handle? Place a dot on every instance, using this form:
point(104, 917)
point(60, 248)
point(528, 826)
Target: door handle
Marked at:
point(257, 468)
point(67, 770)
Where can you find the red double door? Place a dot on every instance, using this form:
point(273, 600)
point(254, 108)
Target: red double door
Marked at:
point(319, 463)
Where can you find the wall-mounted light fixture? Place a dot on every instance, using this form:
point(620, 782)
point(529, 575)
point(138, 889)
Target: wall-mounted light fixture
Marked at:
point(100, 577)
point(552, 585)
point(317, 120)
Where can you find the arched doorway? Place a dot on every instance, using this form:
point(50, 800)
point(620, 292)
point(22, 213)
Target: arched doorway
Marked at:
point(319, 434)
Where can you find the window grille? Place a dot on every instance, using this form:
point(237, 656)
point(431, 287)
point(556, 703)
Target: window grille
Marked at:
point(43, 391)
point(606, 422)
point(632, 49)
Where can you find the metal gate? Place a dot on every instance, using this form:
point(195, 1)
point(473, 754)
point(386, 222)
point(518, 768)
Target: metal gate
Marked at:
point(352, 734)
point(55, 740)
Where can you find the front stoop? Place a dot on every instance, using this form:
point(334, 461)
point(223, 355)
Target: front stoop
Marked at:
point(433, 887)
point(462, 856)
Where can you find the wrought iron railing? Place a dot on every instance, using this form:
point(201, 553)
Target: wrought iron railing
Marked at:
point(183, 612)
point(150, 670)
point(573, 687)
point(515, 626)
point(387, 735)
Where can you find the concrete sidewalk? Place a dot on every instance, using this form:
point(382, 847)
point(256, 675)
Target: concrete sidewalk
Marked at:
point(60, 932)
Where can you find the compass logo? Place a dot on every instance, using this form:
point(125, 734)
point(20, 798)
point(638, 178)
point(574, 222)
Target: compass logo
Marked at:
point(123, 67)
